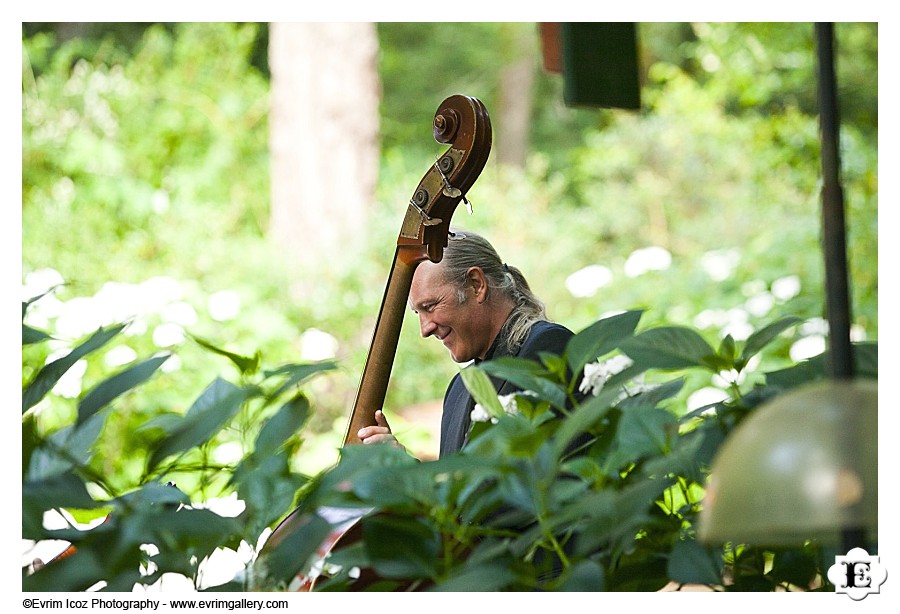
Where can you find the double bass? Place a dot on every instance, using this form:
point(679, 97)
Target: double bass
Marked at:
point(463, 123)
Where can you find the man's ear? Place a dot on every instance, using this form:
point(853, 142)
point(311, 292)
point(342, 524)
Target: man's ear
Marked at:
point(477, 281)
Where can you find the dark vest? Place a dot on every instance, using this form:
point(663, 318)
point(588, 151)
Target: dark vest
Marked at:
point(458, 404)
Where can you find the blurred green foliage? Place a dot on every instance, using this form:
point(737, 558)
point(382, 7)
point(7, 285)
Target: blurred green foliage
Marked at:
point(157, 516)
point(145, 168)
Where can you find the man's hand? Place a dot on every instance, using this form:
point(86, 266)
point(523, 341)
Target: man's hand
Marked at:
point(381, 432)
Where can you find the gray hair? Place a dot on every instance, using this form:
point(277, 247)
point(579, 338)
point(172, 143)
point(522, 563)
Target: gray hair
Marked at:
point(466, 249)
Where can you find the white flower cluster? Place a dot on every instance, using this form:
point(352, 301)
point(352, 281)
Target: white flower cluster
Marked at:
point(596, 374)
point(508, 401)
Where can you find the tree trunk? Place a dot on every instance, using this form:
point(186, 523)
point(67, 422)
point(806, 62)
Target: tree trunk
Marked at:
point(517, 100)
point(323, 135)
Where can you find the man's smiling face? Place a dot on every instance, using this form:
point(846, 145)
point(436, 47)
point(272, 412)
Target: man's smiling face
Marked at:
point(463, 327)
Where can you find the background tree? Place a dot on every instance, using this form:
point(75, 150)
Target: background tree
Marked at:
point(323, 135)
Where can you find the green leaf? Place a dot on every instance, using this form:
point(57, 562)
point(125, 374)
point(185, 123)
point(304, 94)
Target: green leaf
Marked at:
point(154, 493)
point(218, 392)
point(865, 359)
point(267, 486)
point(556, 365)
point(691, 563)
point(585, 576)
point(285, 423)
point(761, 338)
point(865, 364)
point(690, 456)
point(376, 474)
point(794, 567)
point(654, 396)
point(289, 553)
point(643, 431)
point(727, 349)
point(600, 338)
point(645, 574)
point(104, 392)
point(32, 335)
point(30, 442)
point(248, 365)
point(581, 420)
point(64, 490)
point(401, 547)
point(526, 374)
point(34, 299)
point(518, 492)
point(670, 347)
point(490, 576)
point(482, 390)
point(66, 449)
point(198, 528)
point(613, 518)
point(165, 423)
point(218, 404)
point(297, 373)
point(47, 377)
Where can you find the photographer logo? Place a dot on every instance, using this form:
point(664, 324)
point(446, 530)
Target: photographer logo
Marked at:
point(857, 574)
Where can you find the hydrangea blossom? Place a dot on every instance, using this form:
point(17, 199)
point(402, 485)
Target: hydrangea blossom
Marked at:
point(507, 401)
point(480, 414)
point(596, 374)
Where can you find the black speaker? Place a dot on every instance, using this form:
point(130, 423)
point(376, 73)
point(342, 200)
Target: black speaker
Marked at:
point(600, 64)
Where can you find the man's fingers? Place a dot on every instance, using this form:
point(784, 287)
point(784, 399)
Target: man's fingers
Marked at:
point(380, 431)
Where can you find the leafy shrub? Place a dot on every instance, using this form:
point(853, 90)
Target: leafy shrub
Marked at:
point(152, 527)
point(530, 505)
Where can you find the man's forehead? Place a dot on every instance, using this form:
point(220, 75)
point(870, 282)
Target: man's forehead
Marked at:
point(428, 281)
point(428, 274)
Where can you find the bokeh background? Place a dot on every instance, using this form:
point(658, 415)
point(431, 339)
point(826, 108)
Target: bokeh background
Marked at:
point(169, 174)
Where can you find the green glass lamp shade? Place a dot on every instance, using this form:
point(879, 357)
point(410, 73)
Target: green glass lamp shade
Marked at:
point(802, 466)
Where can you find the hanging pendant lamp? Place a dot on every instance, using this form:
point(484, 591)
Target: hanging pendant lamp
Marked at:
point(803, 466)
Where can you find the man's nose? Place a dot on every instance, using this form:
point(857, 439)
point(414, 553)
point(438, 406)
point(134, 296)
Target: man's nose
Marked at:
point(426, 325)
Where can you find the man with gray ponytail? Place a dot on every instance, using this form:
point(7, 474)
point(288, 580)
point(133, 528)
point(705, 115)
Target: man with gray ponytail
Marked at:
point(480, 308)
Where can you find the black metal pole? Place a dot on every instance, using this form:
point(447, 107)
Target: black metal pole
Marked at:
point(837, 294)
point(840, 356)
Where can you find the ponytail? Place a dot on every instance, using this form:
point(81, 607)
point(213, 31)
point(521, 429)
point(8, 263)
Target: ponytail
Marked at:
point(467, 249)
